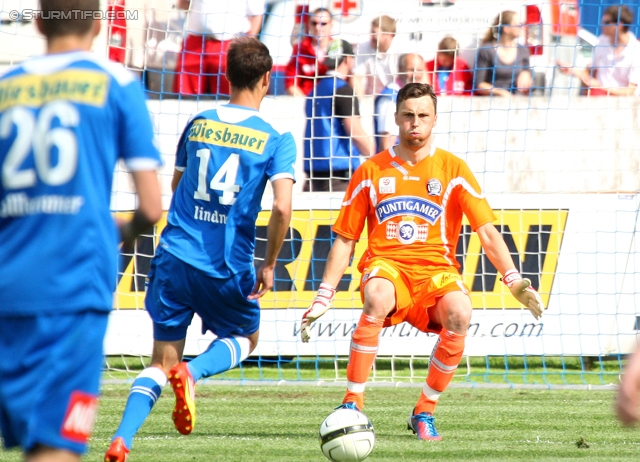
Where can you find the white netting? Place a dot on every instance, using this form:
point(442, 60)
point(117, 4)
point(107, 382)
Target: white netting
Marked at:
point(561, 170)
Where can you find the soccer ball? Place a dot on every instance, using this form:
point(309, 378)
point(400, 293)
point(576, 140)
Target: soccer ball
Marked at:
point(347, 435)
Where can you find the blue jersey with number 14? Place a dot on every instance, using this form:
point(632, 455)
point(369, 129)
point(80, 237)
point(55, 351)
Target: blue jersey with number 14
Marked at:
point(65, 120)
point(226, 155)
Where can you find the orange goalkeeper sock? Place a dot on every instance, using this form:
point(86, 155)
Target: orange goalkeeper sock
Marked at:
point(364, 347)
point(444, 361)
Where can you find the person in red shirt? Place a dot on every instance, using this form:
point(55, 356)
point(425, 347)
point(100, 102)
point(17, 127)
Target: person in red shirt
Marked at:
point(448, 73)
point(307, 59)
point(210, 26)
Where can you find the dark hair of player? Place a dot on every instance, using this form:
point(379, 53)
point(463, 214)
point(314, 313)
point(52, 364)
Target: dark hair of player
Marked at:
point(417, 90)
point(64, 17)
point(248, 60)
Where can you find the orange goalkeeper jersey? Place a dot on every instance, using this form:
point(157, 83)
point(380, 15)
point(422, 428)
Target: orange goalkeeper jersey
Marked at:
point(413, 213)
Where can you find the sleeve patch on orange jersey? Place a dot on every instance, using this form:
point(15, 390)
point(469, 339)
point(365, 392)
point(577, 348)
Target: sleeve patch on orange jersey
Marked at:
point(387, 185)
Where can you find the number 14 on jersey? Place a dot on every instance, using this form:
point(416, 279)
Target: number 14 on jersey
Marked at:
point(224, 179)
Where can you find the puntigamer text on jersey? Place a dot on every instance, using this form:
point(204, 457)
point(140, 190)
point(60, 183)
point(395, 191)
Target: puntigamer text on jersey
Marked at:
point(410, 205)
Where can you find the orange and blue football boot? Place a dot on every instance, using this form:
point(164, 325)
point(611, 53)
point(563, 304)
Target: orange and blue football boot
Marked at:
point(423, 425)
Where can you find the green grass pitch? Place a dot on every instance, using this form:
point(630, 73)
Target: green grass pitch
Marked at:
point(280, 423)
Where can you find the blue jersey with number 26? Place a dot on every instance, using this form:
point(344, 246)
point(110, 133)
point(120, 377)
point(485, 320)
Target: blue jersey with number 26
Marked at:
point(65, 120)
point(226, 155)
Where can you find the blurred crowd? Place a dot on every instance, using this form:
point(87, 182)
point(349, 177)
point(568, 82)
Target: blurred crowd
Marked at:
point(180, 48)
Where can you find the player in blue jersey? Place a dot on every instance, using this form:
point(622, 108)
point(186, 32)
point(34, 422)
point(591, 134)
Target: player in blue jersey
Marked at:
point(66, 118)
point(204, 263)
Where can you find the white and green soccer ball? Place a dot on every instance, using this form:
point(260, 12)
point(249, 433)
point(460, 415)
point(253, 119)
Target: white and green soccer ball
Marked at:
point(347, 435)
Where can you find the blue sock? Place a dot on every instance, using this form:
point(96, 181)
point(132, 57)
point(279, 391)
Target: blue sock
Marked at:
point(223, 354)
point(144, 393)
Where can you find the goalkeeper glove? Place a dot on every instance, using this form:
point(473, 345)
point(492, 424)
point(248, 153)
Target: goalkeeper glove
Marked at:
point(523, 292)
point(318, 307)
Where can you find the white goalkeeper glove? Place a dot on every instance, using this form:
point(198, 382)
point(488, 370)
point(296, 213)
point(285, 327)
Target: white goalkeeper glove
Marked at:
point(318, 307)
point(523, 292)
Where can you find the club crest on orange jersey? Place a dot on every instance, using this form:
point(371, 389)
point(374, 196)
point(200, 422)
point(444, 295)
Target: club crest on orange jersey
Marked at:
point(407, 231)
point(387, 185)
point(434, 187)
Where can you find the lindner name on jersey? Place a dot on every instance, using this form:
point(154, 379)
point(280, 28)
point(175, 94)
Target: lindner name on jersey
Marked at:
point(408, 205)
point(205, 215)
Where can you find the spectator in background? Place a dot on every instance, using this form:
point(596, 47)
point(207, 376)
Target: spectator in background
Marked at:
point(448, 73)
point(502, 65)
point(615, 57)
point(307, 59)
point(334, 138)
point(376, 61)
point(210, 26)
point(155, 41)
point(411, 68)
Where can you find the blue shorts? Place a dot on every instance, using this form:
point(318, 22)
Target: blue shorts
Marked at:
point(177, 290)
point(49, 378)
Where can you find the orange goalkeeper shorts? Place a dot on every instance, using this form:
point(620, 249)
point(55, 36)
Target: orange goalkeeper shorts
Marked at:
point(417, 290)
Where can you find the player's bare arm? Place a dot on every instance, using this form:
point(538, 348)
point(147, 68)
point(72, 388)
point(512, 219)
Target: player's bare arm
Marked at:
point(337, 263)
point(276, 232)
point(495, 247)
point(338, 260)
point(175, 181)
point(149, 209)
point(498, 253)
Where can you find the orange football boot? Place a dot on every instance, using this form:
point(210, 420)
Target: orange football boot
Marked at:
point(184, 412)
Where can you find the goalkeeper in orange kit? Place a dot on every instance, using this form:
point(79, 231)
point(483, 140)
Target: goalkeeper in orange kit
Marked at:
point(412, 197)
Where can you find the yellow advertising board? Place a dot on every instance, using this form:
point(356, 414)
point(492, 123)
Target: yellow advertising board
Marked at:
point(534, 238)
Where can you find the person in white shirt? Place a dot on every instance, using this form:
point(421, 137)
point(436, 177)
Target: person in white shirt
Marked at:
point(376, 60)
point(210, 26)
point(615, 57)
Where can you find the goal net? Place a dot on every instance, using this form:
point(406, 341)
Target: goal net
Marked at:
point(559, 167)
